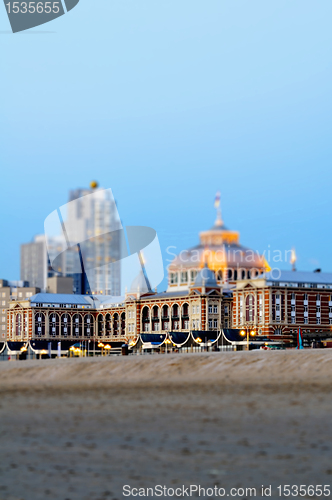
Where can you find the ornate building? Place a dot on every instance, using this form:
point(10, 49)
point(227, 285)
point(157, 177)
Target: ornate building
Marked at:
point(221, 250)
point(278, 303)
point(204, 307)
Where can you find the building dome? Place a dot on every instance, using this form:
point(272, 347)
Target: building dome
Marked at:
point(220, 249)
point(206, 278)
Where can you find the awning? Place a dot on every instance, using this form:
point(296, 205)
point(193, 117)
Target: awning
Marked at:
point(15, 347)
point(152, 340)
point(206, 338)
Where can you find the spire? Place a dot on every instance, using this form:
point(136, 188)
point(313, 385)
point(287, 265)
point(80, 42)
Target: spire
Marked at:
point(293, 259)
point(219, 221)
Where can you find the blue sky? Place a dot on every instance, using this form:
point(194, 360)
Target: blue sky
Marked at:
point(166, 103)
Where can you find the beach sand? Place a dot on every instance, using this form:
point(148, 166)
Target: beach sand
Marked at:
point(81, 429)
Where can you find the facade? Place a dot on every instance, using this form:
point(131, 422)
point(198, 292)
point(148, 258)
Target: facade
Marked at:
point(278, 305)
point(204, 307)
point(221, 250)
point(9, 291)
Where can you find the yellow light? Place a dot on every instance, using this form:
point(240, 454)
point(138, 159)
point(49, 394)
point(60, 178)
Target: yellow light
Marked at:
point(100, 344)
point(242, 332)
point(108, 347)
point(43, 351)
point(167, 341)
point(72, 348)
point(198, 339)
point(23, 349)
point(252, 333)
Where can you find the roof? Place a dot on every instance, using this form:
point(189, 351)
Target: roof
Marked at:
point(61, 298)
point(206, 277)
point(297, 277)
point(165, 295)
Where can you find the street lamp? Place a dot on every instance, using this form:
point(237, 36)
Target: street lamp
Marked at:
point(250, 333)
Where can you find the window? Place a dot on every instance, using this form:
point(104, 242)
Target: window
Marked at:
point(210, 308)
point(194, 309)
point(3, 319)
point(305, 297)
point(215, 309)
point(184, 277)
point(226, 310)
point(186, 325)
point(293, 320)
point(318, 320)
point(3, 327)
point(330, 321)
point(193, 275)
point(3, 303)
point(156, 326)
point(215, 323)
point(174, 278)
point(4, 294)
point(305, 321)
point(210, 323)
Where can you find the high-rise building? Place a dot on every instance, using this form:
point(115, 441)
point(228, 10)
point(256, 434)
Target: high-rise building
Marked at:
point(35, 261)
point(86, 245)
point(93, 230)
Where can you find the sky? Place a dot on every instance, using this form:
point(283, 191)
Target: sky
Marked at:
point(166, 103)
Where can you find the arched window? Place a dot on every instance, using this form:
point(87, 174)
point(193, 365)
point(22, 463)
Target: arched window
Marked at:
point(175, 317)
point(165, 318)
point(65, 325)
point(230, 274)
point(53, 325)
point(248, 274)
point(235, 274)
point(243, 274)
point(100, 325)
point(123, 323)
point(18, 324)
point(115, 324)
point(88, 325)
point(39, 324)
point(155, 318)
point(77, 325)
point(219, 275)
point(108, 325)
point(250, 301)
point(185, 316)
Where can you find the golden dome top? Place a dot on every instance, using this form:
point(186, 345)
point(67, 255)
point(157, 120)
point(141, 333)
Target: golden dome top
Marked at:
point(93, 184)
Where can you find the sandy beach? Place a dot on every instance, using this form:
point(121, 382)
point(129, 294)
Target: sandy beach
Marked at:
point(81, 429)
